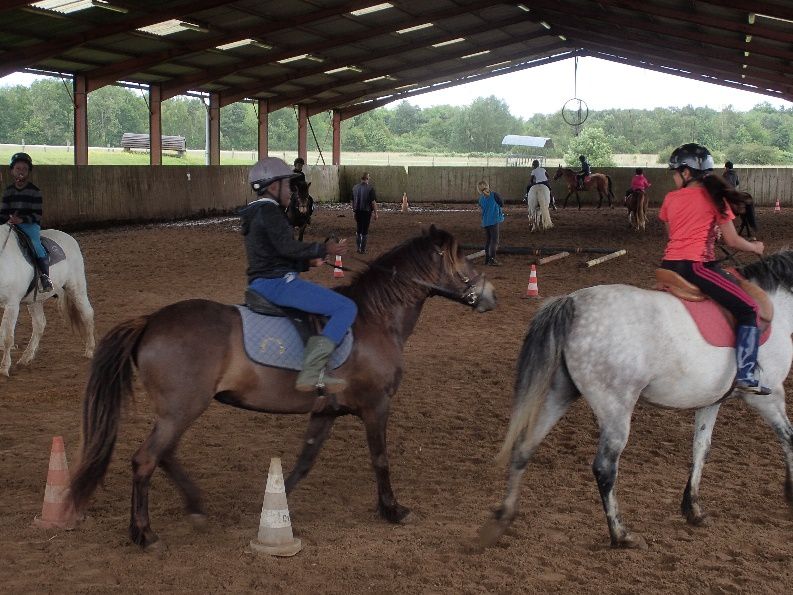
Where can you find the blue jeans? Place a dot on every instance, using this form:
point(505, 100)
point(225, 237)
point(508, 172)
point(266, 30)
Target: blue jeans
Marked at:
point(33, 231)
point(293, 292)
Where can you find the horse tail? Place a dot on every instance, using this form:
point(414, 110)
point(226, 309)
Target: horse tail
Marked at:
point(540, 358)
point(610, 186)
point(109, 384)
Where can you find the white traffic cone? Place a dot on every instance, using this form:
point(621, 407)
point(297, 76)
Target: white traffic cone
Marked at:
point(275, 527)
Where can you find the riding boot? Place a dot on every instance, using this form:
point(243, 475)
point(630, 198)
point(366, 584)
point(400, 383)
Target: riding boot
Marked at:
point(44, 277)
point(358, 243)
point(746, 348)
point(313, 376)
point(364, 237)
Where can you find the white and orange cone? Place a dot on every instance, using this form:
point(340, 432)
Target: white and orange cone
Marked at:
point(57, 511)
point(777, 208)
point(338, 273)
point(405, 205)
point(532, 290)
point(275, 527)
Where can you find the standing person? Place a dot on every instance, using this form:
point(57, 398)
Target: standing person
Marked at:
point(22, 206)
point(490, 204)
point(364, 205)
point(300, 175)
point(748, 219)
point(638, 182)
point(692, 214)
point(586, 170)
point(540, 176)
point(275, 260)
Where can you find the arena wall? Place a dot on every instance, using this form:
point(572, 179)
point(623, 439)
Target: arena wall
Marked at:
point(95, 195)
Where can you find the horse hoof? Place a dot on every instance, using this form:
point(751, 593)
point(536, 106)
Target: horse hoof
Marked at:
point(700, 520)
point(631, 541)
point(491, 532)
point(198, 521)
point(399, 515)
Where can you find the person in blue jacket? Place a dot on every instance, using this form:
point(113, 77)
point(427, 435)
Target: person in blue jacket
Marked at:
point(490, 204)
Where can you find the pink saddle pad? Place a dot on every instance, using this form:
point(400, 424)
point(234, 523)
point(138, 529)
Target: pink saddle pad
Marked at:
point(714, 326)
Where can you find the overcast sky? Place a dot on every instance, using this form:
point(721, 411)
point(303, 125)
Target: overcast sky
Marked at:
point(600, 83)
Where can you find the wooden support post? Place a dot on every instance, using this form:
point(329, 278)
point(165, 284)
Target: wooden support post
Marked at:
point(302, 132)
point(214, 129)
point(80, 86)
point(263, 131)
point(155, 126)
point(336, 137)
point(594, 261)
point(553, 257)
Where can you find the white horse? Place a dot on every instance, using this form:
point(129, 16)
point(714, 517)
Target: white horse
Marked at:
point(68, 279)
point(616, 344)
point(539, 201)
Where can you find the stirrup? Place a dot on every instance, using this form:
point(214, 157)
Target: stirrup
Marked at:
point(752, 387)
point(46, 282)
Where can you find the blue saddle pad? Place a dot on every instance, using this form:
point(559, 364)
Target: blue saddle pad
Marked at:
point(274, 341)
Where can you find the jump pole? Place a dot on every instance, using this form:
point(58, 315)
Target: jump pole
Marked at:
point(539, 251)
point(553, 257)
point(475, 255)
point(594, 261)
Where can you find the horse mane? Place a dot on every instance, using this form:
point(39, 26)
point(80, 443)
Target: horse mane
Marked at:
point(771, 272)
point(400, 276)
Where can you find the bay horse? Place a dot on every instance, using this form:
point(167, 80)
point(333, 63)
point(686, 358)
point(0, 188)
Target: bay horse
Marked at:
point(301, 207)
point(615, 345)
point(16, 287)
point(191, 352)
point(636, 203)
point(599, 182)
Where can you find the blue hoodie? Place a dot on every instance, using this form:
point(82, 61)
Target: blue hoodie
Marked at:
point(491, 209)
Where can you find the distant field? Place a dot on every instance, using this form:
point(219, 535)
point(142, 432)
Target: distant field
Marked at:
point(49, 155)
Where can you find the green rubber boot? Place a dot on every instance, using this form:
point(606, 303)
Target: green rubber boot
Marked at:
point(313, 376)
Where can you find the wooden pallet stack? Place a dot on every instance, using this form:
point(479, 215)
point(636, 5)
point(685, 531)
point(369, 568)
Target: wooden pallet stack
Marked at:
point(132, 140)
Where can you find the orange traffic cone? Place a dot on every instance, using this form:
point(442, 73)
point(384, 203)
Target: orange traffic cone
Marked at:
point(57, 511)
point(532, 290)
point(338, 273)
point(777, 208)
point(405, 205)
point(275, 527)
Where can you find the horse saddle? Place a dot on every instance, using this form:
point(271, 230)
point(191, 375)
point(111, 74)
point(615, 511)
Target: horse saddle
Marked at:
point(275, 336)
point(716, 324)
point(52, 248)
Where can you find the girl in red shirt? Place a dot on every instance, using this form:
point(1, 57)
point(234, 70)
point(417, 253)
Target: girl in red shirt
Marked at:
point(693, 213)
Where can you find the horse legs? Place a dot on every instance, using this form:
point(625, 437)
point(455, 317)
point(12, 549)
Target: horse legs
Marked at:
point(772, 410)
point(300, 232)
point(319, 427)
point(613, 437)
point(190, 492)
point(10, 315)
point(375, 420)
point(558, 400)
point(564, 205)
point(36, 310)
point(704, 421)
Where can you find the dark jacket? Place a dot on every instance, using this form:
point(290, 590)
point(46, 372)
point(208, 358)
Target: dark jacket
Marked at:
point(272, 251)
point(363, 195)
point(25, 203)
point(731, 177)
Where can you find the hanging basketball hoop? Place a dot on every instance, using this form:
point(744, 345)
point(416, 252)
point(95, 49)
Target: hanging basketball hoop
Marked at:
point(575, 111)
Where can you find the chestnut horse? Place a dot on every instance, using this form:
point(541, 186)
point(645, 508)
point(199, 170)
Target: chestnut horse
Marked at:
point(191, 352)
point(599, 182)
point(636, 203)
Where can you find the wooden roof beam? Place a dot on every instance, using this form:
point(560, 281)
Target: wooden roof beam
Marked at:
point(238, 93)
point(47, 49)
point(771, 9)
point(113, 72)
point(189, 82)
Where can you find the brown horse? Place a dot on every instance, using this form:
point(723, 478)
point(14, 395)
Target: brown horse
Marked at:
point(636, 203)
point(599, 182)
point(190, 352)
point(301, 207)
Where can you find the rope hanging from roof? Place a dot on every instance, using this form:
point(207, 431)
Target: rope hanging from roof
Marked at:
point(575, 111)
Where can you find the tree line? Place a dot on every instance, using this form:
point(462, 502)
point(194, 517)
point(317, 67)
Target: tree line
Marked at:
point(42, 114)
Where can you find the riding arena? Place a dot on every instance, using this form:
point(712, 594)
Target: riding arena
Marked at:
point(448, 421)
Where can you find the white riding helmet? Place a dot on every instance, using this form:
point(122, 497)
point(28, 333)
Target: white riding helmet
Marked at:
point(268, 170)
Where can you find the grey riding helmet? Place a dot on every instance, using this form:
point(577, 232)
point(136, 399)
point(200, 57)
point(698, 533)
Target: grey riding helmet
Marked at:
point(693, 156)
point(266, 171)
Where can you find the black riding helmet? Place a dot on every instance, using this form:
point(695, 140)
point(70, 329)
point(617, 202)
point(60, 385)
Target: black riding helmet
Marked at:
point(694, 156)
point(20, 157)
point(581, 158)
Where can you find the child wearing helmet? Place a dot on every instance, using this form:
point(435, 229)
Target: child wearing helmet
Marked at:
point(692, 214)
point(275, 260)
point(21, 206)
point(540, 176)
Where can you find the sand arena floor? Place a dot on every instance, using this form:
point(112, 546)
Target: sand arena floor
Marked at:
point(447, 422)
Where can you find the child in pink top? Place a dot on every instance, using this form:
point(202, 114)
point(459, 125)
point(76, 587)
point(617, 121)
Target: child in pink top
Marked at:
point(639, 182)
point(693, 213)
